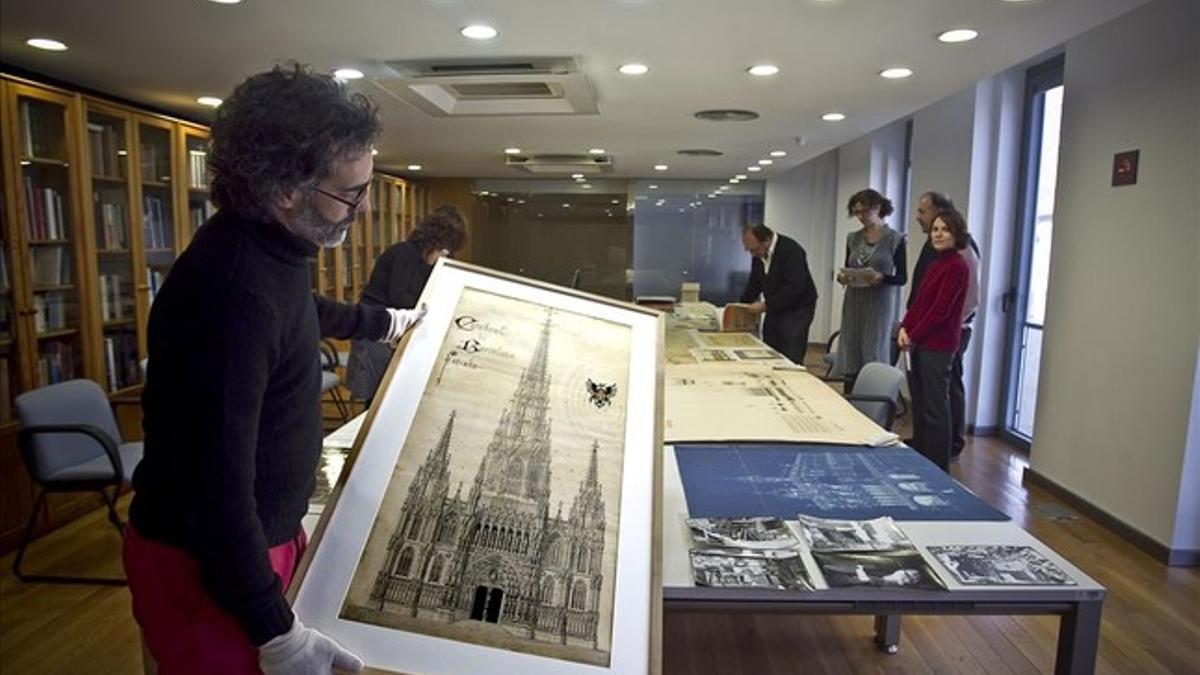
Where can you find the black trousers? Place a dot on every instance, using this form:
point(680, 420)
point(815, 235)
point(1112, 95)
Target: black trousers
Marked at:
point(958, 438)
point(787, 333)
point(929, 385)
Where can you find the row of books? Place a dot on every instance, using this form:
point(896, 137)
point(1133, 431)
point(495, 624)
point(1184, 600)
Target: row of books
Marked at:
point(106, 144)
point(111, 232)
point(114, 304)
point(198, 169)
point(199, 214)
point(47, 220)
point(50, 312)
point(156, 280)
point(770, 553)
point(51, 265)
point(56, 363)
point(41, 131)
point(121, 361)
point(157, 223)
point(155, 162)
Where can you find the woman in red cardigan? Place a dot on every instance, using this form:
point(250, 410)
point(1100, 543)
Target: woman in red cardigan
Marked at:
point(930, 333)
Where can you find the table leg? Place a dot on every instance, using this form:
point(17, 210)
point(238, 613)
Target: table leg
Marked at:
point(887, 633)
point(1079, 639)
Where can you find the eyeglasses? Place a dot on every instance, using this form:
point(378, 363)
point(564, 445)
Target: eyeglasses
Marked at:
point(352, 203)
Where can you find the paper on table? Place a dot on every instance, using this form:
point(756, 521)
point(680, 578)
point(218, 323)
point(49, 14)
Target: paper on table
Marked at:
point(761, 404)
point(343, 436)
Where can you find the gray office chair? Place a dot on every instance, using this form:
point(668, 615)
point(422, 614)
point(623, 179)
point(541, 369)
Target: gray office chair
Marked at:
point(70, 442)
point(877, 393)
point(331, 381)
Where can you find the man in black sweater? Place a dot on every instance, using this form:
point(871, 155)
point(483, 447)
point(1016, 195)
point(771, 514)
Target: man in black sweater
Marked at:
point(231, 403)
point(779, 272)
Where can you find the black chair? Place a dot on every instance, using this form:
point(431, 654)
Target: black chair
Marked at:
point(70, 442)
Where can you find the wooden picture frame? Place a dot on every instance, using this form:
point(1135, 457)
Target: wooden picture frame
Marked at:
point(501, 504)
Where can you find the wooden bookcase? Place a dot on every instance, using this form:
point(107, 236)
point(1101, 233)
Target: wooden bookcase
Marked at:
point(97, 200)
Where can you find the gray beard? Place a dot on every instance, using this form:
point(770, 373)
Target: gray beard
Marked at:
point(310, 225)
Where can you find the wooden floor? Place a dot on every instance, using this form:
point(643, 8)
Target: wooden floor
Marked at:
point(1151, 616)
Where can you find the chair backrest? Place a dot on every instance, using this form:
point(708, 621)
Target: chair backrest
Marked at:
point(879, 379)
point(70, 402)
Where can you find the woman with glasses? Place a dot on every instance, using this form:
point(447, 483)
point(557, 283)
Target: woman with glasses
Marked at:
point(399, 277)
point(875, 271)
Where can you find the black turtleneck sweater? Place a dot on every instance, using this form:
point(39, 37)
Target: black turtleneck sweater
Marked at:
point(231, 409)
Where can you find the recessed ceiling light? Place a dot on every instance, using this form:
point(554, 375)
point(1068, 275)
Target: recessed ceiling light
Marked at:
point(833, 117)
point(763, 70)
point(596, 151)
point(520, 201)
point(754, 168)
point(723, 188)
point(348, 74)
point(576, 175)
point(766, 162)
point(226, 2)
point(741, 176)
point(210, 101)
point(652, 187)
point(479, 32)
point(587, 187)
point(896, 73)
point(510, 199)
point(778, 153)
point(46, 44)
point(661, 167)
point(580, 180)
point(512, 151)
point(734, 181)
point(483, 193)
point(616, 201)
point(566, 206)
point(634, 69)
point(414, 167)
point(958, 35)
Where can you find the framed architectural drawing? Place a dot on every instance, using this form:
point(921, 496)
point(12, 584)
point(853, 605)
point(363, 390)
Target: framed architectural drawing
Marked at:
point(500, 506)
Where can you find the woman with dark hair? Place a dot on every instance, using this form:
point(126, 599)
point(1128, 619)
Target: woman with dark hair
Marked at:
point(876, 269)
point(930, 332)
point(399, 276)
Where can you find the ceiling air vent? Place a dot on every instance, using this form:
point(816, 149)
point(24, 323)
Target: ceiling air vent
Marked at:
point(699, 152)
point(550, 164)
point(507, 86)
point(727, 115)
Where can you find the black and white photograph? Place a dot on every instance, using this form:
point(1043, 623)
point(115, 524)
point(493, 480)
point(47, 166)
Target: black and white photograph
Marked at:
point(757, 354)
point(905, 569)
point(982, 565)
point(880, 534)
point(750, 569)
point(745, 533)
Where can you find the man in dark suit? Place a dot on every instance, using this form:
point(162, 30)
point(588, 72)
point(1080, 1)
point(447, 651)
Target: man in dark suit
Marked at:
point(779, 272)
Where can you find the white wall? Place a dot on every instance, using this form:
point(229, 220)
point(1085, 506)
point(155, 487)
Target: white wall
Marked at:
point(854, 174)
point(801, 204)
point(1123, 308)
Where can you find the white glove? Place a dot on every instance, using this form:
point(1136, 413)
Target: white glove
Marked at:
point(402, 320)
point(305, 651)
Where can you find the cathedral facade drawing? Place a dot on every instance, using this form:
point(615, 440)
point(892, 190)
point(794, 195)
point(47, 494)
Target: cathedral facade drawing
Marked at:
point(503, 553)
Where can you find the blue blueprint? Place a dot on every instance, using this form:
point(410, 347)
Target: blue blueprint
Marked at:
point(852, 483)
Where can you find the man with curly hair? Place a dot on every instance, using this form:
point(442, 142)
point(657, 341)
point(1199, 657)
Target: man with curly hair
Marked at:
point(232, 411)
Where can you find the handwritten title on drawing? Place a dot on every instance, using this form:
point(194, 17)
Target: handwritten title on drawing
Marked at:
point(474, 338)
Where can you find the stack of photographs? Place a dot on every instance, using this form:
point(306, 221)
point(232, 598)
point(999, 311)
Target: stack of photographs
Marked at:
point(994, 565)
point(875, 553)
point(746, 553)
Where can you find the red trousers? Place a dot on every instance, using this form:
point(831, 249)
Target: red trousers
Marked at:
point(183, 628)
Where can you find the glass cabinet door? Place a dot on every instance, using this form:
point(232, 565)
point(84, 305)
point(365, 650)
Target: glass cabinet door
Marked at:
point(199, 207)
point(108, 156)
point(378, 214)
point(10, 368)
point(155, 181)
point(49, 230)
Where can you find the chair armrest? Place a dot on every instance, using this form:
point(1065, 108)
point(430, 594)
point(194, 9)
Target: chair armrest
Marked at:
point(25, 441)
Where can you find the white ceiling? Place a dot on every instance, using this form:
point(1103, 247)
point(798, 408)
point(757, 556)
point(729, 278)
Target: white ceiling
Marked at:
point(167, 52)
